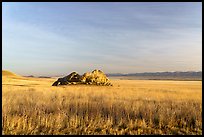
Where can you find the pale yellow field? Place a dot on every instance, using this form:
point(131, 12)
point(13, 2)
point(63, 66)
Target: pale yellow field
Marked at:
point(33, 106)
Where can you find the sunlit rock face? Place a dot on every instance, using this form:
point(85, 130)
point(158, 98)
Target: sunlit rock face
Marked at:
point(96, 77)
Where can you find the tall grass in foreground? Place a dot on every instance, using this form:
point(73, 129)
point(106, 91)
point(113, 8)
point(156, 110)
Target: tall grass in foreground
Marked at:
point(95, 110)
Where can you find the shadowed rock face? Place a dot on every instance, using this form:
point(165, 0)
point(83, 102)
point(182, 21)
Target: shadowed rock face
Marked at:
point(96, 77)
point(73, 77)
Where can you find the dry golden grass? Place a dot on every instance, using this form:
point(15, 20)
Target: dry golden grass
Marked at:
point(33, 106)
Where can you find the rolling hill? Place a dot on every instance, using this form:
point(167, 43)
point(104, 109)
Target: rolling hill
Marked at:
point(8, 73)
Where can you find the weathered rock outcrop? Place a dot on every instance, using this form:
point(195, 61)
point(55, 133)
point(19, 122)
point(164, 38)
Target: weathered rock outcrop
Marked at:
point(96, 77)
point(71, 78)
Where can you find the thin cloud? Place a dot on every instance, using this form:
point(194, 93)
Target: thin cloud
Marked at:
point(116, 37)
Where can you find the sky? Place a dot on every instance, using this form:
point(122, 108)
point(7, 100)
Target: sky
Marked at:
point(56, 38)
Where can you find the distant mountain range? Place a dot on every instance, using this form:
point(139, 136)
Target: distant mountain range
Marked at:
point(188, 75)
point(38, 76)
point(177, 75)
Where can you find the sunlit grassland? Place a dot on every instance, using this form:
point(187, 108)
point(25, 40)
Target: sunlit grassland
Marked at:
point(33, 106)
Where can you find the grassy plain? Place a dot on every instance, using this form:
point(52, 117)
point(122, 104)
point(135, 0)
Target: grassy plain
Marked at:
point(33, 106)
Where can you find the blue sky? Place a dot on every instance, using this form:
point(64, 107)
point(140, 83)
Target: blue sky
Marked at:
point(57, 38)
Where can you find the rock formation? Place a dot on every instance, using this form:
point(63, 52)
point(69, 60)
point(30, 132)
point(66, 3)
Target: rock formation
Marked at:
point(73, 77)
point(96, 77)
